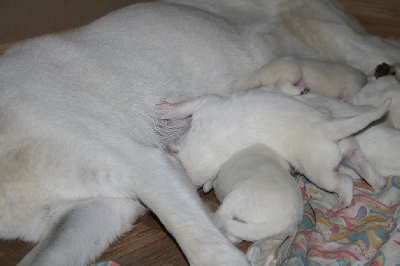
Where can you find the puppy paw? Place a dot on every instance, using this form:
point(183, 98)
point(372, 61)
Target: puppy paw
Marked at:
point(233, 239)
point(271, 261)
point(384, 70)
point(305, 91)
point(378, 184)
point(289, 89)
point(340, 206)
point(258, 257)
point(164, 110)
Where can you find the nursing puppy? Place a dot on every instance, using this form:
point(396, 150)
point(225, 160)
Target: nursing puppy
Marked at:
point(259, 199)
point(327, 78)
point(79, 128)
point(379, 143)
point(301, 134)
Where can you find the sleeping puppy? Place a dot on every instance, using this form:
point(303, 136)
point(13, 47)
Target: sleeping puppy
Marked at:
point(259, 198)
point(327, 78)
point(303, 135)
point(375, 91)
point(379, 143)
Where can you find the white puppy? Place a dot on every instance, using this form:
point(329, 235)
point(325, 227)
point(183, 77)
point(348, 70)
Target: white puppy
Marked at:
point(379, 143)
point(377, 90)
point(327, 78)
point(259, 198)
point(79, 129)
point(381, 146)
point(303, 135)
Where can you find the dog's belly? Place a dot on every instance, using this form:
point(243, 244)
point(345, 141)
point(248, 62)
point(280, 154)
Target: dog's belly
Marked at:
point(114, 72)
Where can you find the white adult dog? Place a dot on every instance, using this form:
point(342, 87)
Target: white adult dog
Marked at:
point(79, 135)
point(260, 199)
point(301, 134)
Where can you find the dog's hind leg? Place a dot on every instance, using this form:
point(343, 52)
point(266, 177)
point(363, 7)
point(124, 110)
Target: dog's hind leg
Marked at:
point(284, 73)
point(184, 109)
point(339, 183)
point(82, 230)
point(355, 159)
point(325, 174)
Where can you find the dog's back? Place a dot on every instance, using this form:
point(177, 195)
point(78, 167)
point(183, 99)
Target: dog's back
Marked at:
point(259, 196)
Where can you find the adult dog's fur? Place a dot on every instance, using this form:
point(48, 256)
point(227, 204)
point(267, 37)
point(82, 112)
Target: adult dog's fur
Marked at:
point(301, 134)
point(81, 152)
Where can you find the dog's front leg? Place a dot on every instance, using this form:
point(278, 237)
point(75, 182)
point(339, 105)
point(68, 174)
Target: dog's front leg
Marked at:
point(326, 176)
point(164, 187)
point(81, 230)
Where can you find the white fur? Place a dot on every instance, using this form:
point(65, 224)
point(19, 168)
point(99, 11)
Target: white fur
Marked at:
point(300, 133)
point(379, 143)
point(259, 197)
point(81, 146)
point(332, 79)
point(376, 90)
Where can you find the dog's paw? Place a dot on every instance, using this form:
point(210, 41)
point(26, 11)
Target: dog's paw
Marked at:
point(258, 257)
point(340, 206)
point(289, 89)
point(208, 186)
point(384, 70)
point(305, 91)
point(165, 110)
point(378, 184)
point(232, 238)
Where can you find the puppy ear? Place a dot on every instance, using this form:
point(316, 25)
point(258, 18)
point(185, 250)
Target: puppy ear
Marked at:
point(173, 147)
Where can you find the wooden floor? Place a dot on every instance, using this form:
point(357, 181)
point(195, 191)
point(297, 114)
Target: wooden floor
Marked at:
point(148, 243)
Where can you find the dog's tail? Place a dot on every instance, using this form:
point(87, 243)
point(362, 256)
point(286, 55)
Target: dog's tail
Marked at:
point(250, 232)
point(341, 128)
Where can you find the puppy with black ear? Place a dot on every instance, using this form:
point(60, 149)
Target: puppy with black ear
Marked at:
point(303, 135)
point(260, 199)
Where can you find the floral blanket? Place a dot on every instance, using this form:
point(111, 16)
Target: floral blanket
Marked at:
point(366, 233)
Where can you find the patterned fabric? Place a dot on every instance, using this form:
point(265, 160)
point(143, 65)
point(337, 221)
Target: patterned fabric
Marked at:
point(105, 263)
point(366, 233)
